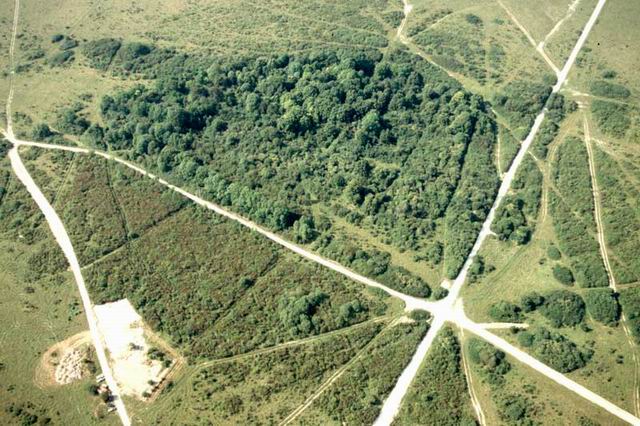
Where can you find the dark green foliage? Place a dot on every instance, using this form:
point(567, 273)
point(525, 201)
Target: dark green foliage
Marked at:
point(630, 302)
point(602, 305)
point(297, 313)
point(440, 293)
point(4, 149)
point(563, 275)
point(478, 269)
point(56, 38)
point(387, 142)
point(41, 132)
point(473, 19)
point(61, 58)
point(573, 218)
point(439, 391)
point(490, 361)
point(357, 397)
point(71, 121)
point(554, 349)
point(620, 216)
point(100, 52)
point(531, 301)
point(553, 253)
point(563, 308)
point(515, 409)
point(68, 43)
point(517, 213)
point(272, 385)
point(521, 101)
point(611, 118)
point(609, 90)
point(557, 108)
point(505, 312)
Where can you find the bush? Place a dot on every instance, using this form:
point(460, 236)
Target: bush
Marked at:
point(491, 361)
point(531, 301)
point(602, 305)
point(41, 132)
point(611, 118)
point(555, 350)
point(56, 38)
point(563, 308)
point(505, 312)
point(61, 58)
point(609, 90)
point(563, 275)
point(554, 253)
point(100, 52)
point(68, 43)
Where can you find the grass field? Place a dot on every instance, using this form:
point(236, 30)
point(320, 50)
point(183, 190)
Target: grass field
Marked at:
point(39, 307)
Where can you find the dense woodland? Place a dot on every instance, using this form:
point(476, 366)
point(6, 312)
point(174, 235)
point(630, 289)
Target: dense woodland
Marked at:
point(387, 142)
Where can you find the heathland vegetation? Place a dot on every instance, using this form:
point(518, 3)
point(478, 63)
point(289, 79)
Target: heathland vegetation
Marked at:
point(199, 290)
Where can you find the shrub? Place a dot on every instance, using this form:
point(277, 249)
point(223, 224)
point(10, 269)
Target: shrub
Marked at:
point(611, 118)
point(100, 52)
point(554, 253)
point(440, 293)
point(531, 301)
point(609, 90)
point(41, 132)
point(56, 38)
point(61, 58)
point(68, 43)
point(555, 350)
point(491, 361)
point(603, 306)
point(563, 308)
point(563, 275)
point(505, 312)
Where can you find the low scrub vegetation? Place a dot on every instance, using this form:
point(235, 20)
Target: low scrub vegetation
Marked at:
point(357, 396)
point(439, 391)
point(573, 219)
point(516, 215)
point(612, 118)
point(554, 349)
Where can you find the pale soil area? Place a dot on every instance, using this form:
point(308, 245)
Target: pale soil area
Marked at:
point(124, 336)
point(63, 362)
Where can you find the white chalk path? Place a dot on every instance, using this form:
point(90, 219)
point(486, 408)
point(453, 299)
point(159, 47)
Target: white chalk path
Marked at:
point(61, 236)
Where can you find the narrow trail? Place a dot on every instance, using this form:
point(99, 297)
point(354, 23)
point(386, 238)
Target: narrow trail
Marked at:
point(330, 381)
point(529, 37)
point(477, 407)
point(570, 11)
point(602, 242)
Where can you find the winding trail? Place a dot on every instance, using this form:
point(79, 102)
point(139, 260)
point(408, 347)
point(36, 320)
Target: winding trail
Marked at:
point(570, 11)
point(604, 252)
